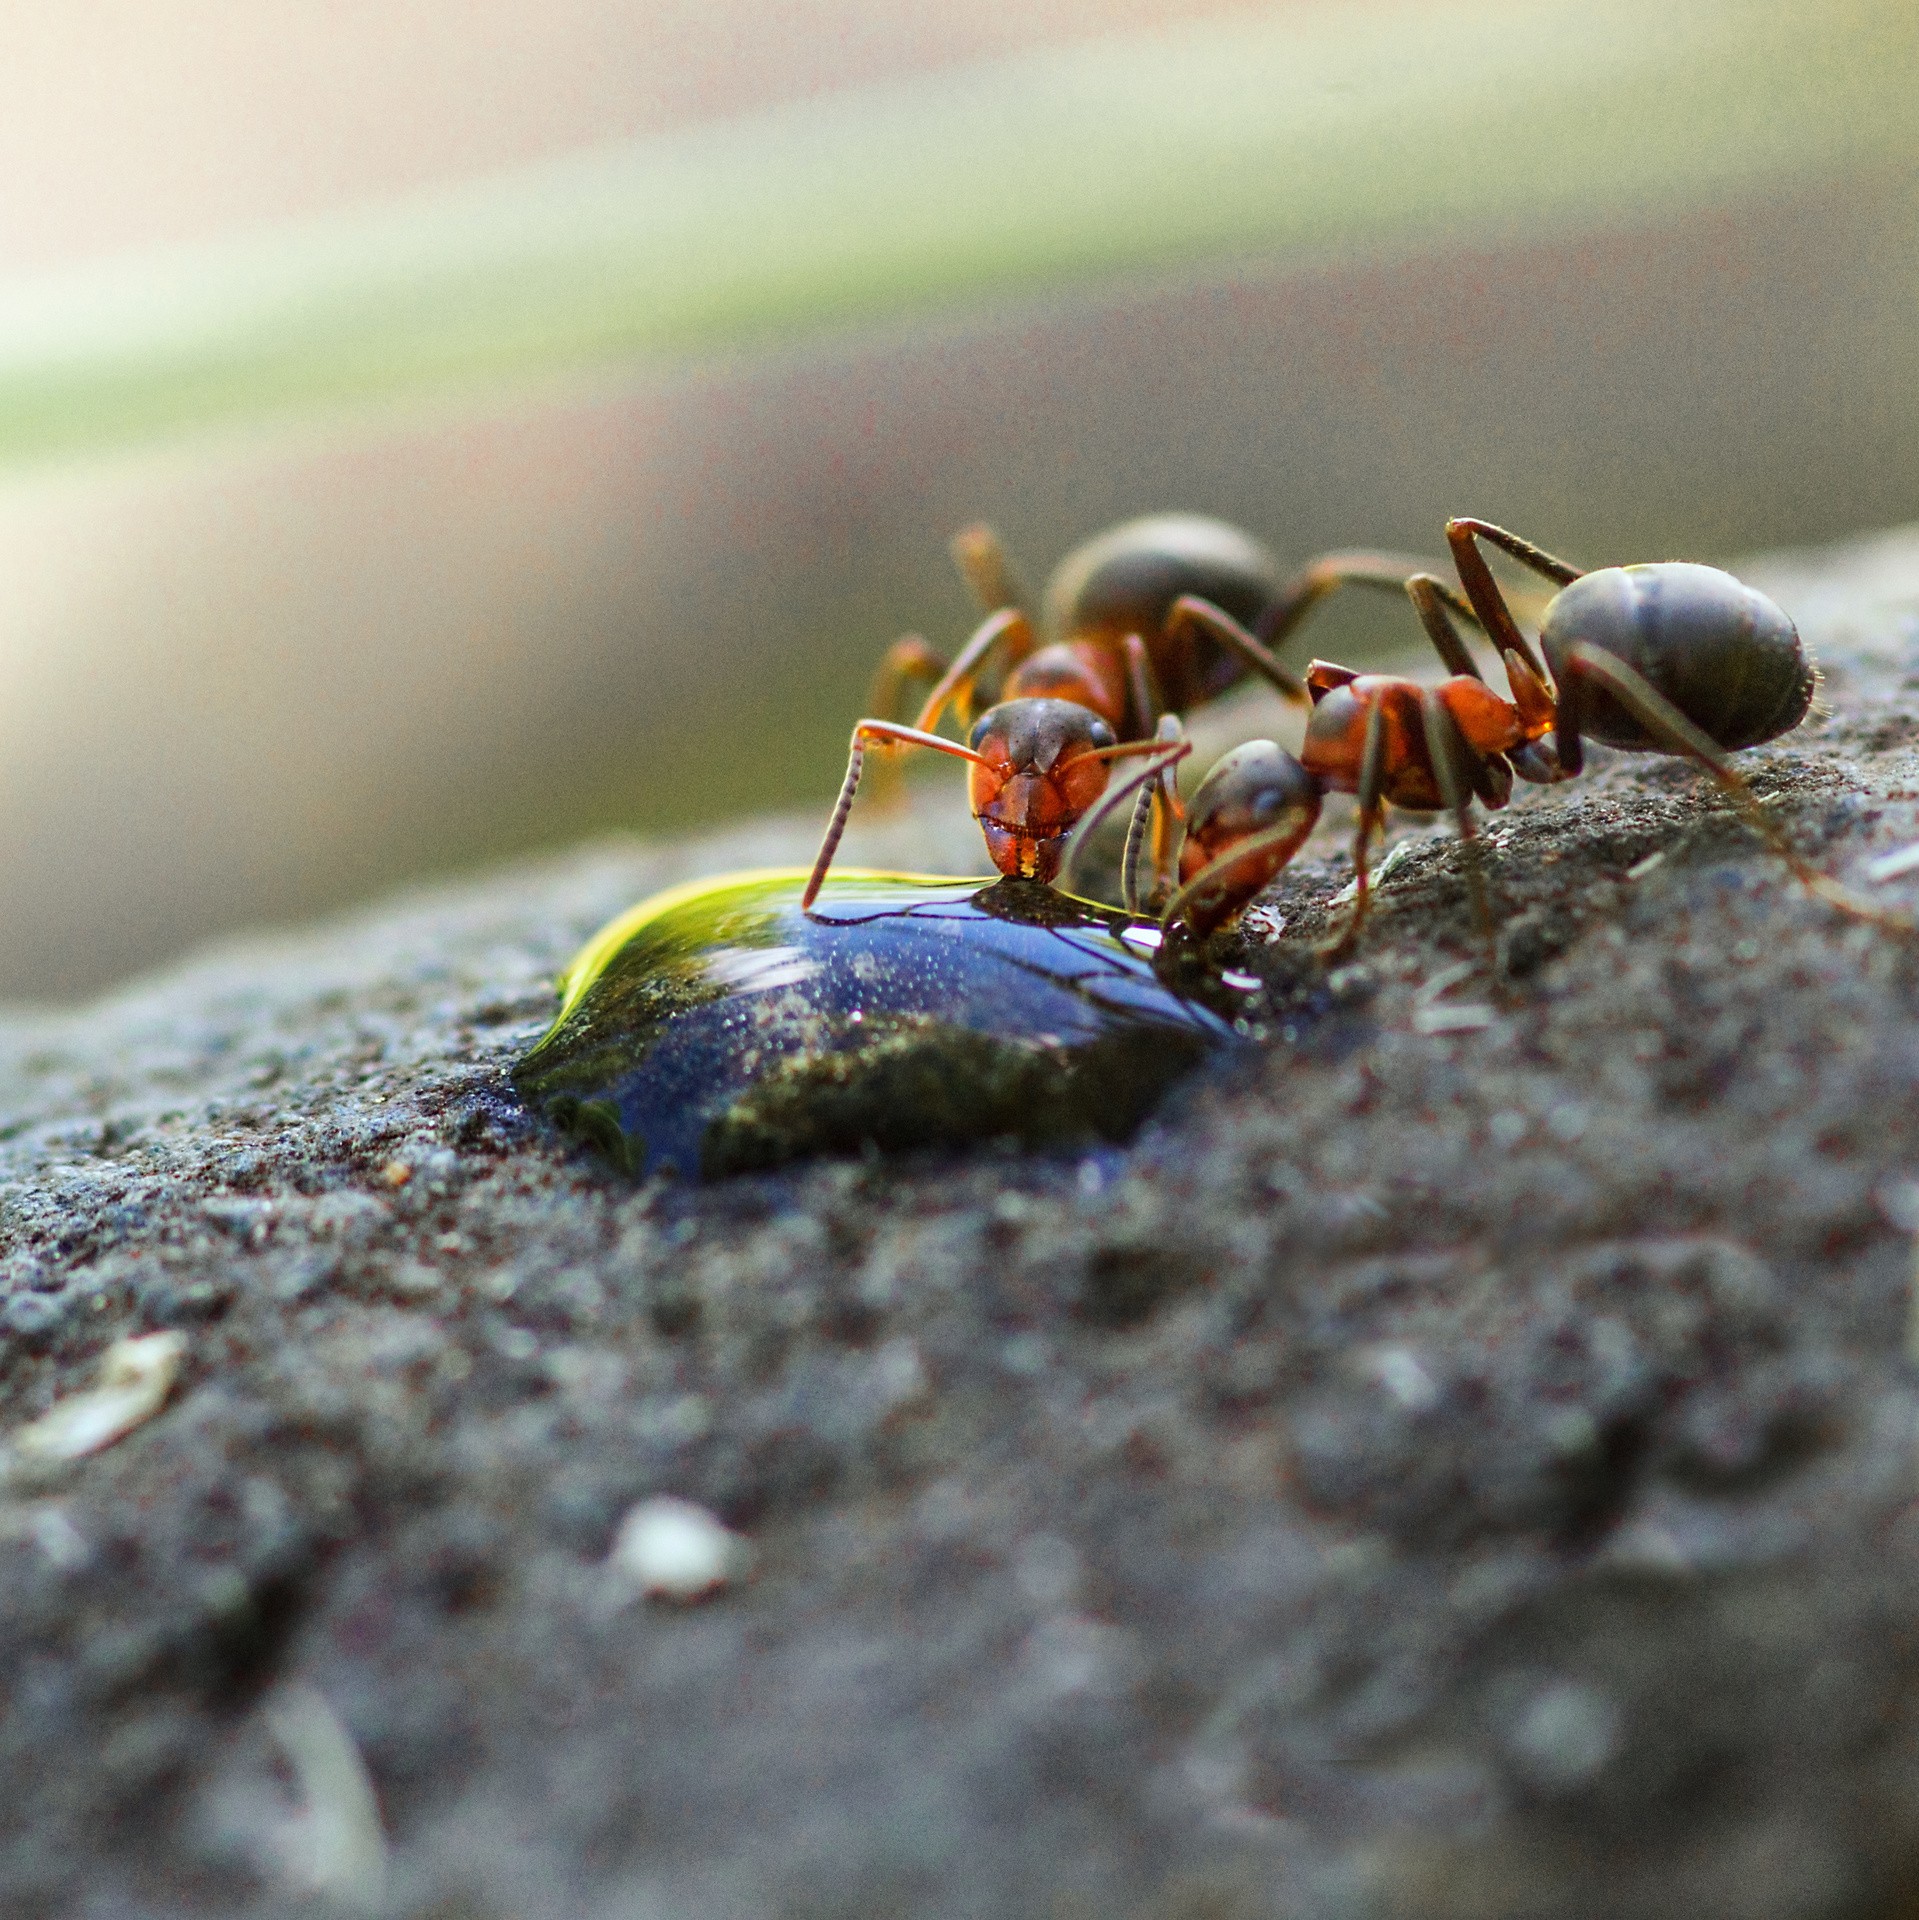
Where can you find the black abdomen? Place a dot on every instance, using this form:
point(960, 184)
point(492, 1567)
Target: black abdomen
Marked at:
point(1719, 650)
point(1126, 580)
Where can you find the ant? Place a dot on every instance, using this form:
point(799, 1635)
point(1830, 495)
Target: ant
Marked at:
point(1671, 658)
point(1154, 618)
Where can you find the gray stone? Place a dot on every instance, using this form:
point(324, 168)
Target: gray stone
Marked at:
point(1456, 1471)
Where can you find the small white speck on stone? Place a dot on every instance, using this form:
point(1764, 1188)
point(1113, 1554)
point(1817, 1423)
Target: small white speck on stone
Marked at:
point(136, 1375)
point(1397, 852)
point(1403, 1374)
point(1046, 1569)
point(1026, 1354)
point(1507, 1128)
point(670, 1549)
point(516, 1343)
point(1563, 1735)
point(63, 1544)
point(1889, 866)
point(897, 1376)
point(1073, 1654)
point(1648, 1546)
point(683, 1418)
point(1899, 1202)
point(1461, 1018)
point(335, 1848)
point(414, 1279)
point(1572, 1433)
point(1443, 982)
point(1215, 1774)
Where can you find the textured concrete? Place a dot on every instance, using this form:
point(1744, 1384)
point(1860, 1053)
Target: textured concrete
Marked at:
point(1438, 1472)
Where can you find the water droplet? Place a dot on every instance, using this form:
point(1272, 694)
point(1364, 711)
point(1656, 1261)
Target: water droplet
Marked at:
point(717, 1028)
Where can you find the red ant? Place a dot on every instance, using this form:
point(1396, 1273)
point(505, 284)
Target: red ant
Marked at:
point(1154, 618)
point(1669, 658)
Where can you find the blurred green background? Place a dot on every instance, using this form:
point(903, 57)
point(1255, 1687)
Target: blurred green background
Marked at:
point(430, 432)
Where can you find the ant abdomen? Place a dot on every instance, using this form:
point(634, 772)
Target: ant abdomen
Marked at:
point(1125, 581)
point(1719, 650)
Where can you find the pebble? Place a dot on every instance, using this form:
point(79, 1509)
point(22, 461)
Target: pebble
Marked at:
point(1404, 1375)
point(336, 1851)
point(1563, 1735)
point(34, 1317)
point(136, 1376)
point(670, 1549)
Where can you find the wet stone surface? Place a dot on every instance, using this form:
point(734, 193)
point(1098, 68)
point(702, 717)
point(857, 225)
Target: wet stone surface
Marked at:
point(1459, 1462)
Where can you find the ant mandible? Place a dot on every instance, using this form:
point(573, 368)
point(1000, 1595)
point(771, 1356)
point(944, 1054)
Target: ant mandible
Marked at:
point(1154, 618)
point(1671, 658)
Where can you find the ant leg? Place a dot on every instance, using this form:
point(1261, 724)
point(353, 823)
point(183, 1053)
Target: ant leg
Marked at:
point(1162, 800)
point(1533, 698)
point(1678, 735)
point(1142, 684)
point(1562, 573)
point(956, 683)
point(1190, 610)
point(1489, 604)
point(983, 565)
point(1365, 567)
point(908, 659)
point(1428, 594)
point(881, 730)
point(1372, 780)
point(1490, 775)
point(1456, 767)
point(1169, 818)
point(1569, 747)
point(1163, 754)
point(1494, 780)
point(1298, 598)
point(1322, 676)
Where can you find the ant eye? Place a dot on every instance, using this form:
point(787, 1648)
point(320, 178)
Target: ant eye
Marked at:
point(981, 728)
point(1102, 734)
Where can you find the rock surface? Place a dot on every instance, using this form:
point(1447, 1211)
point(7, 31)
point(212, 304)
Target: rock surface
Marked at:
point(1460, 1462)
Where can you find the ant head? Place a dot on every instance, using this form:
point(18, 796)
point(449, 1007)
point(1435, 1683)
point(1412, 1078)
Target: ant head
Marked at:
point(1040, 767)
point(1257, 797)
point(1719, 650)
point(1126, 580)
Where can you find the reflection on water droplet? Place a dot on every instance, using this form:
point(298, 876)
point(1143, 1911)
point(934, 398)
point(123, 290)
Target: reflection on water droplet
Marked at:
point(745, 971)
point(717, 1028)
